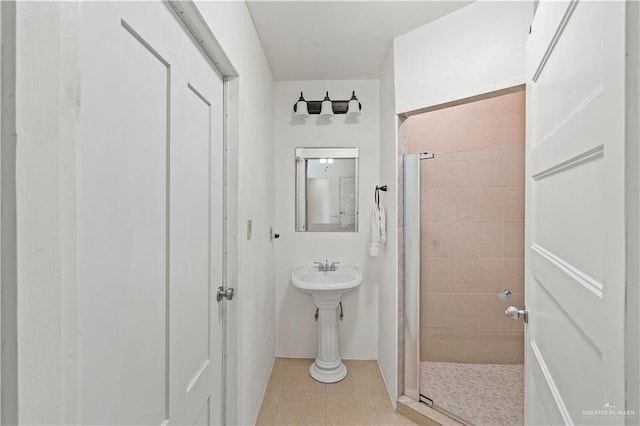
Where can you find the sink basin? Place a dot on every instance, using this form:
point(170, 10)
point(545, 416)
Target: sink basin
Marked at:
point(326, 288)
point(309, 278)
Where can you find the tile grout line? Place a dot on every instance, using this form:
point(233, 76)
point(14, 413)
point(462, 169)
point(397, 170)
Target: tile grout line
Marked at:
point(375, 407)
point(284, 379)
point(275, 415)
point(326, 405)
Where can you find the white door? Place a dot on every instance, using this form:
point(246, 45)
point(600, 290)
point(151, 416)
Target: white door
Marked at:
point(575, 259)
point(151, 246)
point(347, 200)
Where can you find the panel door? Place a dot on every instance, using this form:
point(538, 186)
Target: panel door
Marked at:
point(575, 259)
point(347, 200)
point(151, 208)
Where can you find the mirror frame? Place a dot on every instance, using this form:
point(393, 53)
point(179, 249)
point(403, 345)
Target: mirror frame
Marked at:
point(304, 154)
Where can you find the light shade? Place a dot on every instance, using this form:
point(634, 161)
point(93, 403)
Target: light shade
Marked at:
point(327, 108)
point(300, 109)
point(354, 108)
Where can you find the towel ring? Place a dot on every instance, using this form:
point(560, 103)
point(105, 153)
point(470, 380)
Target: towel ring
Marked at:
point(376, 196)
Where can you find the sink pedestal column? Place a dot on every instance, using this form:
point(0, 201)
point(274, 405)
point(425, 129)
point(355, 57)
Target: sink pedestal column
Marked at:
point(327, 368)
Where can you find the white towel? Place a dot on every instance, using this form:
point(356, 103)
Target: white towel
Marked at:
point(383, 225)
point(378, 230)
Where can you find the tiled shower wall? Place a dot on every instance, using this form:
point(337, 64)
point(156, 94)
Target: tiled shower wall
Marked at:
point(472, 229)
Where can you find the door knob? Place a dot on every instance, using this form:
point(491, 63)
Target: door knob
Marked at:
point(515, 313)
point(222, 293)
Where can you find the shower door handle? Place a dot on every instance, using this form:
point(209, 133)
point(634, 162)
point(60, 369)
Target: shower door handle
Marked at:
point(515, 313)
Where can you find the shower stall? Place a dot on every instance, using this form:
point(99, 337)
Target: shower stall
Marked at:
point(464, 258)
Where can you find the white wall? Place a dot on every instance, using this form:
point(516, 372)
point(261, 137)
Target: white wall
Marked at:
point(252, 176)
point(476, 49)
point(296, 334)
point(388, 302)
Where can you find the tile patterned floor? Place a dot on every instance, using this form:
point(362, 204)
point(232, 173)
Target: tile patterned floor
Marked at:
point(294, 398)
point(482, 394)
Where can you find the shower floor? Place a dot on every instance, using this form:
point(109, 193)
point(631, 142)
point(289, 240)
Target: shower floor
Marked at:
point(481, 394)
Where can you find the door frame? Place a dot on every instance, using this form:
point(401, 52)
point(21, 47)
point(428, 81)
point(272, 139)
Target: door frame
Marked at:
point(409, 347)
point(632, 124)
point(189, 16)
point(8, 244)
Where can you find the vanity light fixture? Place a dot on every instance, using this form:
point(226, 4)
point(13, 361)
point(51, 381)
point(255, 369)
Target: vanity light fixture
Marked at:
point(325, 160)
point(327, 107)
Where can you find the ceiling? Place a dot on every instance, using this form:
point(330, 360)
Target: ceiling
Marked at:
point(336, 40)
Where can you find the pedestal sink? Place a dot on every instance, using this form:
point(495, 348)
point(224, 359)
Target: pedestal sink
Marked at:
point(326, 288)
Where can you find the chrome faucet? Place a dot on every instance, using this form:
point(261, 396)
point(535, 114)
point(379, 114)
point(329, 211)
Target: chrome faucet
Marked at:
point(320, 266)
point(324, 267)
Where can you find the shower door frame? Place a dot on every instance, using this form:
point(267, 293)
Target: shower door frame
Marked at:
point(411, 340)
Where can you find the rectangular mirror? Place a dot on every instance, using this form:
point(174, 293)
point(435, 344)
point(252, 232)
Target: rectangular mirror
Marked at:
point(327, 189)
